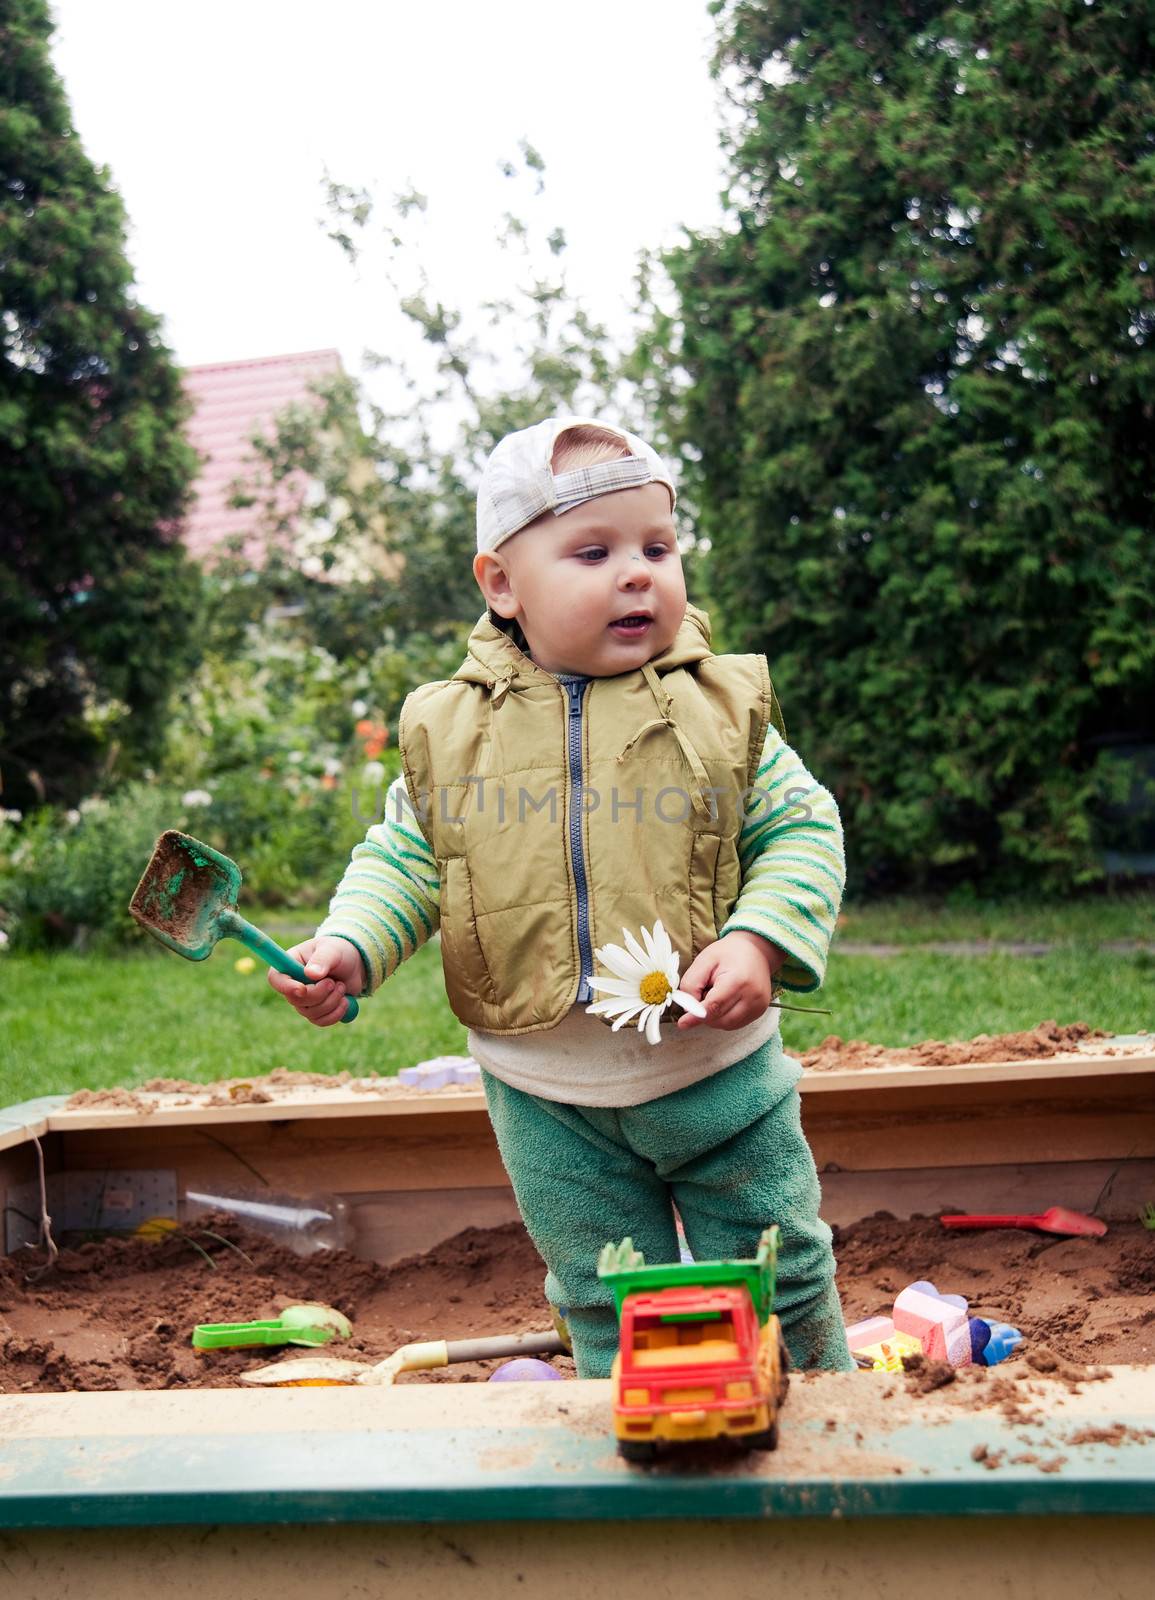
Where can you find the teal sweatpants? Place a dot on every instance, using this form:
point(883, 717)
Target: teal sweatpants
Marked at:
point(728, 1151)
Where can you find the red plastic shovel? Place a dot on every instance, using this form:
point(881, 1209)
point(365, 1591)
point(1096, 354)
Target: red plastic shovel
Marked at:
point(1056, 1219)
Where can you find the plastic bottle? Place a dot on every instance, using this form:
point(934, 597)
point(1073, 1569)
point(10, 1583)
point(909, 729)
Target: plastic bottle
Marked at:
point(302, 1223)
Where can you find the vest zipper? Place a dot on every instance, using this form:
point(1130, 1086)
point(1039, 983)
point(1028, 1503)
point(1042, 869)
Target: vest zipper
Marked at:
point(575, 690)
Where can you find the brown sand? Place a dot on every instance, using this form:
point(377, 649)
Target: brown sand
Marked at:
point(118, 1314)
point(164, 1093)
point(1042, 1042)
point(1085, 1299)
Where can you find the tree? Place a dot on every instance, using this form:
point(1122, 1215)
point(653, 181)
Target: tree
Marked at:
point(98, 603)
point(917, 401)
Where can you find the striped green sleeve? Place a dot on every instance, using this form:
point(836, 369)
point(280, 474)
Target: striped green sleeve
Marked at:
point(389, 901)
point(793, 867)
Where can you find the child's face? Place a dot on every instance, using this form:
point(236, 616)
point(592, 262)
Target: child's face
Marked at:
point(570, 581)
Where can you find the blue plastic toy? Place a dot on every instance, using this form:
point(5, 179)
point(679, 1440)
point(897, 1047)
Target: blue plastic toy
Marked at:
point(1004, 1341)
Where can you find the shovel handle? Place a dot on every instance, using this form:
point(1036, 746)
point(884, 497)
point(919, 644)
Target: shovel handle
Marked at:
point(958, 1221)
point(523, 1344)
point(270, 951)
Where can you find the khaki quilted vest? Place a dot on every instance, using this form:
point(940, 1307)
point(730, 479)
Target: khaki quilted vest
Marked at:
point(665, 753)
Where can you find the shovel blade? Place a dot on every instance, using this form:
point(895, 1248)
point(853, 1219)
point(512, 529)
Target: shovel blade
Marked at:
point(307, 1373)
point(314, 1324)
point(1058, 1219)
point(186, 891)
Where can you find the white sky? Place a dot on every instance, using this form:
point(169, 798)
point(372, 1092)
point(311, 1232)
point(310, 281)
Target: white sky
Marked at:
point(218, 118)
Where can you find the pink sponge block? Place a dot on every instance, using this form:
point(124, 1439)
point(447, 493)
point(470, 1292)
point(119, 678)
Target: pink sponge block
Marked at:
point(959, 1350)
point(861, 1334)
point(940, 1326)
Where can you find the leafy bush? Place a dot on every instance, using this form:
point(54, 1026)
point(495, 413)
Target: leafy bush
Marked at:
point(278, 756)
point(293, 751)
point(66, 875)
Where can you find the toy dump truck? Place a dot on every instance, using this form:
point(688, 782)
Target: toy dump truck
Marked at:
point(700, 1351)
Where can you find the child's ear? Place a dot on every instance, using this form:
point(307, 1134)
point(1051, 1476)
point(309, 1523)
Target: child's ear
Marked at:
point(493, 581)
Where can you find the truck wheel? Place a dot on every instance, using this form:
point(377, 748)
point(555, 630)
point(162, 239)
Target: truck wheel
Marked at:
point(766, 1440)
point(640, 1451)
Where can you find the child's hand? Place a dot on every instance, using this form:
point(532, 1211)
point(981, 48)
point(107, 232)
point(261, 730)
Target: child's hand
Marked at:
point(732, 978)
point(337, 965)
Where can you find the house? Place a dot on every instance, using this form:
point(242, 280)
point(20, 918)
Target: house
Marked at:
point(232, 401)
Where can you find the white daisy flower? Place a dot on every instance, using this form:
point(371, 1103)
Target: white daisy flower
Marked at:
point(644, 982)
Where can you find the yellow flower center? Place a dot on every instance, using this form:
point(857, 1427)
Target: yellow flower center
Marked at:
point(654, 988)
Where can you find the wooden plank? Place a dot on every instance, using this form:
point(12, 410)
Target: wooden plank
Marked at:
point(19, 1165)
point(810, 1558)
point(319, 1104)
point(1018, 1074)
point(853, 1445)
point(345, 1156)
point(391, 1224)
point(978, 1122)
point(875, 1144)
point(853, 1132)
point(1025, 1079)
point(28, 1120)
point(877, 1120)
point(1111, 1189)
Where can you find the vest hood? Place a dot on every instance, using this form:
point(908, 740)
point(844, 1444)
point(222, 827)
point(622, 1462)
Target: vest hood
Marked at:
point(493, 657)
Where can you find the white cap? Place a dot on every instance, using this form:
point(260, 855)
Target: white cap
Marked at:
point(518, 483)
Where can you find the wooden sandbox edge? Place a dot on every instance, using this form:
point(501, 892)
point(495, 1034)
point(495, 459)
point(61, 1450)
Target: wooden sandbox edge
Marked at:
point(52, 1114)
point(431, 1453)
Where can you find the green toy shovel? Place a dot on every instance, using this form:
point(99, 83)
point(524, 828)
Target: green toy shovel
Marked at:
point(188, 900)
point(309, 1325)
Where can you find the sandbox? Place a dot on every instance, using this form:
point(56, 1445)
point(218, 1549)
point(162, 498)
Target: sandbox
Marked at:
point(483, 1487)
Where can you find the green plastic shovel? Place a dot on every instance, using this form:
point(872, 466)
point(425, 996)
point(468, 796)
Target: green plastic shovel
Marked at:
point(188, 900)
point(308, 1325)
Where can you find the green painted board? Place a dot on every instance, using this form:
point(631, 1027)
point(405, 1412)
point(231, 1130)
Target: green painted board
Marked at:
point(28, 1116)
point(436, 1452)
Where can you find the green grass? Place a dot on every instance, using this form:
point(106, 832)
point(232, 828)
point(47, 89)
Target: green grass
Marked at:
point(904, 920)
point(910, 920)
point(70, 1021)
point(85, 1021)
point(904, 999)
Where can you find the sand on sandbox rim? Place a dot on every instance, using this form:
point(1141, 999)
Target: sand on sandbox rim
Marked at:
point(1046, 1041)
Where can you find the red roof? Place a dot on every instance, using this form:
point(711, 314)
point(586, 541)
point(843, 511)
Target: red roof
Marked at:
point(234, 400)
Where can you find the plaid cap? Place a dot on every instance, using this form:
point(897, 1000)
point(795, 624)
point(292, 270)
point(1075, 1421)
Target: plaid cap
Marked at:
point(518, 483)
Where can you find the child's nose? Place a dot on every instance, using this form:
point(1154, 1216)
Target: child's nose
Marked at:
point(635, 574)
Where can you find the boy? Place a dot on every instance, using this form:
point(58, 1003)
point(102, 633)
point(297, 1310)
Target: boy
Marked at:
point(592, 768)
